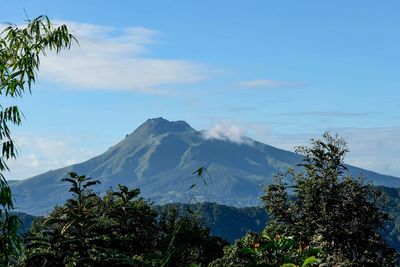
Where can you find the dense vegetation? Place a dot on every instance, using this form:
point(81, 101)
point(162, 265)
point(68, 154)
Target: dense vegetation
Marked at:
point(118, 229)
point(232, 223)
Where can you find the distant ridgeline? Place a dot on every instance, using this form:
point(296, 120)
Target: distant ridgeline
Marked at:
point(160, 156)
point(232, 223)
point(227, 222)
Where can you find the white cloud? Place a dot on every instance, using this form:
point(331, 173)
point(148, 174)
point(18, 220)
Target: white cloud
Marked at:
point(110, 58)
point(226, 132)
point(37, 155)
point(269, 84)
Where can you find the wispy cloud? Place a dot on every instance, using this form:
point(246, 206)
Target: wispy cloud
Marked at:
point(269, 84)
point(227, 132)
point(110, 58)
point(327, 114)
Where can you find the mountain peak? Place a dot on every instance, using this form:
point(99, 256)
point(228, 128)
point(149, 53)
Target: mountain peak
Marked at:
point(160, 125)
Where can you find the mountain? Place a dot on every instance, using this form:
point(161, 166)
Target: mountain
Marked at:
point(160, 157)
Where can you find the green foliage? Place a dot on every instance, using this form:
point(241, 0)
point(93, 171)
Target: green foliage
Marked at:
point(330, 209)
point(70, 233)
point(391, 231)
point(119, 229)
point(266, 249)
point(20, 50)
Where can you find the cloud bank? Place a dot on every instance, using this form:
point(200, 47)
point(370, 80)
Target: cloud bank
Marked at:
point(110, 58)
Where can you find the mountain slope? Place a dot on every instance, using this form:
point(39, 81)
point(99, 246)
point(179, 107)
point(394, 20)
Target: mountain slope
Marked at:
point(160, 156)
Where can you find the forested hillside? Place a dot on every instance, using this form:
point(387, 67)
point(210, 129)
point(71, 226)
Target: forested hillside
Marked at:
point(232, 223)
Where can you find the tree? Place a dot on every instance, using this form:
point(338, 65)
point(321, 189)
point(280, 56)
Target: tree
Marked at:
point(20, 51)
point(68, 234)
point(329, 208)
point(130, 227)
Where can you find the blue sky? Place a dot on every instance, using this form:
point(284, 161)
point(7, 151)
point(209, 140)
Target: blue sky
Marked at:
point(281, 72)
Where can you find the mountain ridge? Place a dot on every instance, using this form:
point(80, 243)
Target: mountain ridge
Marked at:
point(160, 156)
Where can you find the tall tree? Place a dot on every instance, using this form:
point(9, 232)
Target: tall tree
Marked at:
point(330, 209)
point(20, 51)
point(69, 235)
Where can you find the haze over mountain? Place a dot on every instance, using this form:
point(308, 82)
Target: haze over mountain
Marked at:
point(160, 157)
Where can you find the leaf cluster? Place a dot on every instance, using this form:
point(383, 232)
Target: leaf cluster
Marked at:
point(268, 249)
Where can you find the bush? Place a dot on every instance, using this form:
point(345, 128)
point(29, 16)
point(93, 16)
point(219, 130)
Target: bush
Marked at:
point(265, 249)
